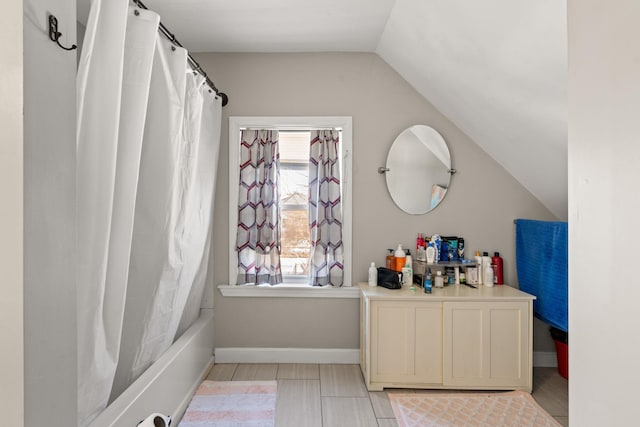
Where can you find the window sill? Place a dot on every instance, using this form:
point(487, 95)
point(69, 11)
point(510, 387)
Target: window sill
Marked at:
point(284, 291)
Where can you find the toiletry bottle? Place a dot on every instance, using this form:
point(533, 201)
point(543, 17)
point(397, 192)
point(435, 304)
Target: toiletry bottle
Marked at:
point(373, 275)
point(400, 259)
point(428, 282)
point(488, 275)
point(390, 260)
point(453, 248)
point(478, 260)
point(431, 253)
point(460, 248)
point(439, 282)
point(437, 245)
point(486, 261)
point(407, 270)
point(420, 248)
point(498, 270)
point(444, 250)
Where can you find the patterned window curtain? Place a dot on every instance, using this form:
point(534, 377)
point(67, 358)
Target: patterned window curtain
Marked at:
point(258, 238)
point(326, 260)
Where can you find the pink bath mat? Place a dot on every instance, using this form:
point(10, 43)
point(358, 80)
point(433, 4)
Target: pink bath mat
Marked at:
point(232, 403)
point(512, 409)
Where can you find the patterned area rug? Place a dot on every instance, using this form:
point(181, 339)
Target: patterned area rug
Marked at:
point(232, 403)
point(512, 409)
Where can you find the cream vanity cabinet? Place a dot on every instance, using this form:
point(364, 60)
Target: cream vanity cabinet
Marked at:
point(456, 337)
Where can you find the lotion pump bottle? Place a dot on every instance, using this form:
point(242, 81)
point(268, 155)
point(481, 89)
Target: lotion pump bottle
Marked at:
point(400, 259)
point(373, 275)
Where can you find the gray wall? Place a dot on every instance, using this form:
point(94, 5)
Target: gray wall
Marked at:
point(49, 217)
point(481, 205)
point(11, 222)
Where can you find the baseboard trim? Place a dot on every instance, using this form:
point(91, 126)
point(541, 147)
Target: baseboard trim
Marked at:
point(287, 355)
point(541, 359)
point(545, 359)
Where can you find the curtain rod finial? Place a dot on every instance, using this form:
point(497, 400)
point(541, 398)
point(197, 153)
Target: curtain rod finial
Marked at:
point(225, 98)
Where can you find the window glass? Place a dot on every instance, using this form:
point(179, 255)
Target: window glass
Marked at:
point(294, 206)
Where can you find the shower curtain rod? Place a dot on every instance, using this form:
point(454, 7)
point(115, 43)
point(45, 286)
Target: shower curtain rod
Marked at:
point(194, 64)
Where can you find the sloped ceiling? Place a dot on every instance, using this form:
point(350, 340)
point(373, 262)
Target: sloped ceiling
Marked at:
point(496, 68)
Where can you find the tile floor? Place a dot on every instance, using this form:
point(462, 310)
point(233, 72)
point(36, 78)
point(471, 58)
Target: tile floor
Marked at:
point(335, 395)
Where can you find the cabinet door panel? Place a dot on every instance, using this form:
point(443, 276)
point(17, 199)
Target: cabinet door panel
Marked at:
point(428, 354)
point(464, 343)
point(406, 342)
point(392, 332)
point(486, 344)
point(508, 358)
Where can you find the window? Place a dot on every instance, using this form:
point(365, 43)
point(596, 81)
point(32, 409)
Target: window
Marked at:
point(294, 149)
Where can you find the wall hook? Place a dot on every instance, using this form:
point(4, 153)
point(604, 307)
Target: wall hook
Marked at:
point(452, 171)
point(382, 170)
point(54, 34)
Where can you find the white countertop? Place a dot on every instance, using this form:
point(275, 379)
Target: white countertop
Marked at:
point(457, 292)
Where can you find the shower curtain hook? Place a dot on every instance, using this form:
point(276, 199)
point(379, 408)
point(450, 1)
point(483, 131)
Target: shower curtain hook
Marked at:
point(54, 34)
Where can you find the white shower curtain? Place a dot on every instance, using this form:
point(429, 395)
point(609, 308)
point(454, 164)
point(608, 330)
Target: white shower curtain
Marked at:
point(143, 208)
point(203, 201)
point(109, 140)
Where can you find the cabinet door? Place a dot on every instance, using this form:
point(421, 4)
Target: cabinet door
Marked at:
point(406, 342)
point(487, 344)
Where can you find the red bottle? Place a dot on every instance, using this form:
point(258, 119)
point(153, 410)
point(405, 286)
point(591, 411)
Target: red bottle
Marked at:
point(498, 270)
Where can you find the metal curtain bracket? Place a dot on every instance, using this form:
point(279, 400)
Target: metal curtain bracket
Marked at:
point(54, 34)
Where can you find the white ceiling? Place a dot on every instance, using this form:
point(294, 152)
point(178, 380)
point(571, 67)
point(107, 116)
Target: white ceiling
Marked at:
point(496, 68)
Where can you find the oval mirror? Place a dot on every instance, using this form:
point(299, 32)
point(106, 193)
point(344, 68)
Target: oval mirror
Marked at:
point(418, 169)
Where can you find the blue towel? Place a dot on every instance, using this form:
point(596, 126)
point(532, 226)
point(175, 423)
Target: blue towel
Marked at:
point(542, 265)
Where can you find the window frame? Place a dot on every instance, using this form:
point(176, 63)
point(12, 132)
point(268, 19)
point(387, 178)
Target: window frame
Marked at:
point(238, 123)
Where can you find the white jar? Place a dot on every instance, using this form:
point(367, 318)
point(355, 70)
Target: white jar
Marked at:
point(439, 282)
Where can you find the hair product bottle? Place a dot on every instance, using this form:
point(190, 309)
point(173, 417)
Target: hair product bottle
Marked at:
point(488, 273)
point(478, 260)
point(498, 269)
point(486, 261)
